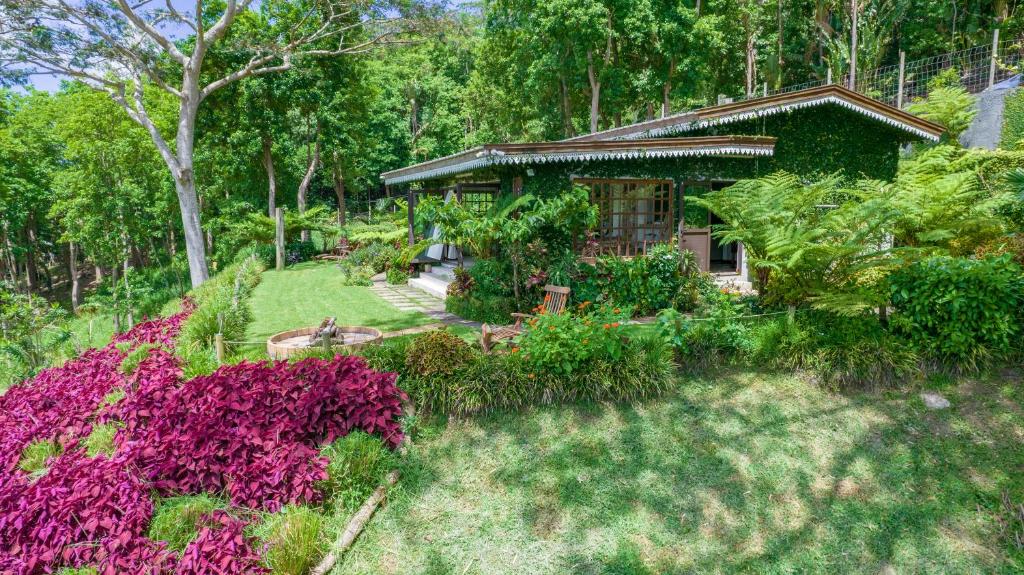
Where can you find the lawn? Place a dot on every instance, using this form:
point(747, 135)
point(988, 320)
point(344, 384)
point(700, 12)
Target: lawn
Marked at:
point(744, 472)
point(304, 294)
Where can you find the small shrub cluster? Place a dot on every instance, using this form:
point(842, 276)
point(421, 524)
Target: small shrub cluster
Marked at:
point(397, 276)
point(960, 311)
point(437, 353)
point(1013, 121)
point(491, 309)
point(178, 520)
point(561, 343)
point(376, 256)
point(299, 251)
point(502, 381)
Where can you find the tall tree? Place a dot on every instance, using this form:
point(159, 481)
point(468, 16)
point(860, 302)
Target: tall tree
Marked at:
point(121, 48)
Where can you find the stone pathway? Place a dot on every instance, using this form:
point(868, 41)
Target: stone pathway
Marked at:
point(408, 298)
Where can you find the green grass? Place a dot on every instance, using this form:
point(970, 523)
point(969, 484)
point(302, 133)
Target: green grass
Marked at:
point(741, 473)
point(90, 331)
point(304, 294)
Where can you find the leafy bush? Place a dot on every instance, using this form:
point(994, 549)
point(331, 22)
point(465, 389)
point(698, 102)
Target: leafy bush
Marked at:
point(509, 381)
point(437, 353)
point(648, 282)
point(561, 343)
point(959, 310)
point(484, 308)
point(389, 356)
point(462, 283)
point(841, 351)
point(357, 463)
point(397, 276)
point(299, 251)
point(177, 520)
point(377, 256)
point(353, 275)
point(491, 277)
point(35, 455)
point(951, 107)
point(1013, 121)
point(715, 334)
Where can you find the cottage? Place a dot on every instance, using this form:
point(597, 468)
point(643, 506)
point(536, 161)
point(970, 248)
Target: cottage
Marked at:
point(641, 175)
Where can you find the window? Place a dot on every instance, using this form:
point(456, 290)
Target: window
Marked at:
point(634, 214)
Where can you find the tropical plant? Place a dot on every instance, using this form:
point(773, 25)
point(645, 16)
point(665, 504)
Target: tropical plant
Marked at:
point(951, 107)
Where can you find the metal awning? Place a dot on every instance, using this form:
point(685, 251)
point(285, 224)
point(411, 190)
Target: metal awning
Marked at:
point(575, 151)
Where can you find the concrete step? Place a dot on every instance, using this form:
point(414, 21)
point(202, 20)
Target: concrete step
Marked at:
point(431, 284)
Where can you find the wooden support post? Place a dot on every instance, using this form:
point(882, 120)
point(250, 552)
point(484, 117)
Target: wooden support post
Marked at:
point(766, 89)
point(902, 78)
point(995, 56)
point(218, 344)
point(458, 198)
point(279, 238)
point(412, 219)
point(828, 76)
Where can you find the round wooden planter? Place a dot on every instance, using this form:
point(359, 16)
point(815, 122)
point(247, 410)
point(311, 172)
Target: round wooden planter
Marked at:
point(293, 342)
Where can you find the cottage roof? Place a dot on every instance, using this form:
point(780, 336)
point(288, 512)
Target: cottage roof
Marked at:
point(569, 151)
point(768, 106)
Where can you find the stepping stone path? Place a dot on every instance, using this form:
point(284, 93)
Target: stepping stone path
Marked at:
point(407, 298)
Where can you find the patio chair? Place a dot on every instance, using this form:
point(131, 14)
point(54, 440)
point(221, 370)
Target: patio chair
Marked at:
point(555, 299)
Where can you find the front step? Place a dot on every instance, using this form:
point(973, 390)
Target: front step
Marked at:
point(431, 284)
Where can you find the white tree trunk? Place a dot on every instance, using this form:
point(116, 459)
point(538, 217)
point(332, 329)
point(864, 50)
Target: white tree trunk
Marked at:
point(268, 164)
point(304, 185)
point(595, 92)
point(73, 271)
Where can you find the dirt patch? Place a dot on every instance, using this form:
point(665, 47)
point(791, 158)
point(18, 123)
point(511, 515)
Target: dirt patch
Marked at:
point(546, 515)
point(847, 488)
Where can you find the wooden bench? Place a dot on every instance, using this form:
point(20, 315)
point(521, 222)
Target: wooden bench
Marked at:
point(555, 300)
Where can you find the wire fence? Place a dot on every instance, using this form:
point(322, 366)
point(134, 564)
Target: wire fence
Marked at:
point(974, 68)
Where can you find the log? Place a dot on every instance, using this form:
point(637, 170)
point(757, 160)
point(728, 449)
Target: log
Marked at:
point(355, 526)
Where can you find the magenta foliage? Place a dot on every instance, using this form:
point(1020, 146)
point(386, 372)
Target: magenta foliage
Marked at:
point(55, 519)
point(59, 403)
point(252, 429)
point(220, 548)
point(161, 331)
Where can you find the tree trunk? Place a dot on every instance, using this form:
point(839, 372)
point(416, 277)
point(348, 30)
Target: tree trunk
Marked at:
point(339, 190)
point(73, 271)
point(666, 88)
point(31, 270)
point(128, 296)
point(306, 180)
point(268, 164)
point(595, 91)
point(98, 271)
point(853, 45)
point(570, 131)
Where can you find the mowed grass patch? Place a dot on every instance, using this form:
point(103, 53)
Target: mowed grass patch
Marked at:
point(741, 473)
point(304, 294)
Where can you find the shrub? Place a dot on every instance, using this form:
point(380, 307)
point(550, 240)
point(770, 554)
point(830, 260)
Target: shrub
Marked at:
point(389, 356)
point(1013, 121)
point(560, 343)
point(462, 284)
point(36, 454)
point(357, 463)
point(437, 353)
point(353, 275)
point(715, 335)
point(648, 282)
point(491, 277)
point(840, 351)
point(178, 519)
point(397, 276)
point(376, 256)
point(292, 540)
point(299, 251)
point(508, 381)
point(959, 310)
point(492, 309)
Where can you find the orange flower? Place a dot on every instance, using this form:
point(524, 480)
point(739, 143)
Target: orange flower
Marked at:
point(515, 350)
point(616, 310)
point(606, 326)
point(531, 376)
point(547, 298)
point(616, 324)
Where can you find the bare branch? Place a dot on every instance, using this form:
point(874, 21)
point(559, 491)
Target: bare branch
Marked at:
point(152, 32)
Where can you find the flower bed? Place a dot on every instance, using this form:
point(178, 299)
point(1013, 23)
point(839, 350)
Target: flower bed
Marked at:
point(251, 431)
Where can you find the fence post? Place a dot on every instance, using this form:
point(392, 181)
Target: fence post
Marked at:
point(218, 344)
point(995, 54)
point(791, 314)
point(279, 238)
point(766, 89)
point(903, 74)
point(828, 76)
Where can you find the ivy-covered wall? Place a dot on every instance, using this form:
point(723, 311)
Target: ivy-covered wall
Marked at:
point(824, 140)
point(1013, 121)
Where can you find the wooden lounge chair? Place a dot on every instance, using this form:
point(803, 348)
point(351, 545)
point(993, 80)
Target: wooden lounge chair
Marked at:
point(555, 299)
